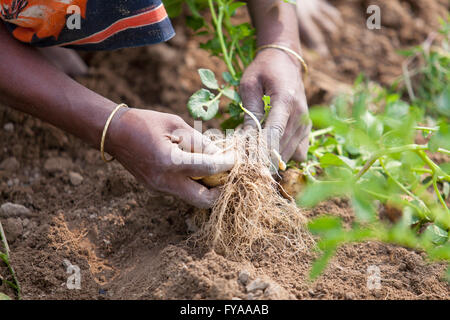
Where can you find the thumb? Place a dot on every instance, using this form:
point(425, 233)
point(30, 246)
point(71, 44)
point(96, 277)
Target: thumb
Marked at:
point(251, 93)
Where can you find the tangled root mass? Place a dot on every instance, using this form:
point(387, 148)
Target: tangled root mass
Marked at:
point(251, 215)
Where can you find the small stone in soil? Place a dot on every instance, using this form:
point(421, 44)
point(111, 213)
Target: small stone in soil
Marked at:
point(10, 164)
point(8, 127)
point(57, 164)
point(243, 277)
point(75, 178)
point(13, 229)
point(257, 284)
point(350, 296)
point(9, 209)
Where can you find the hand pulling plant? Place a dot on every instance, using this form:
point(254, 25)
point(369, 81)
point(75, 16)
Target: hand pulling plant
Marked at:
point(365, 146)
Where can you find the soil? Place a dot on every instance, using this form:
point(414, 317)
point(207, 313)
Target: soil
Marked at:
point(131, 244)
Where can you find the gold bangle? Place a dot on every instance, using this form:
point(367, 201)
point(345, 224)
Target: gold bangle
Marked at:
point(286, 49)
point(105, 129)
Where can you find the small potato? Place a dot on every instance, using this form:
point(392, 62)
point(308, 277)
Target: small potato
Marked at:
point(213, 181)
point(291, 183)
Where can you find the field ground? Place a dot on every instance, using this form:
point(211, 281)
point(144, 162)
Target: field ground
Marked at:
point(130, 243)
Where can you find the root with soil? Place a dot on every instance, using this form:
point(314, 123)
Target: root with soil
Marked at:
point(251, 215)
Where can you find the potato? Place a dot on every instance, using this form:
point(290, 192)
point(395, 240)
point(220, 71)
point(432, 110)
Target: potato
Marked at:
point(214, 180)
point(291, 183)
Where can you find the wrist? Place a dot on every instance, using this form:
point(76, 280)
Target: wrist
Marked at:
point(281, 51)
point(116, 132)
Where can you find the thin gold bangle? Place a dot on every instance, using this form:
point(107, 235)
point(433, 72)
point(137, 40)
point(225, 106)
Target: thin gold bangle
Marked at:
point(283, 48)
point(105, 129)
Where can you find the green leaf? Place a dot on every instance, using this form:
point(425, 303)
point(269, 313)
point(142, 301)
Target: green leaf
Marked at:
point(364, 209)
point(322, 190)
point(231, 94)
point(325, 224)
point(202, 106)
point(195, 23)
point(267, 106)
point(173, 7)
point(443, 102)
point(396, 110)
point(231, 123)
point(330, 159)
point(234, 110)
point(193, 7)
point(229, 78)
point(437, 235)
point(234, 6)
point(208, 78)
point(373, 126)
point(441, 139)
point(4, 297)
point(320, 264)
point(321, 117)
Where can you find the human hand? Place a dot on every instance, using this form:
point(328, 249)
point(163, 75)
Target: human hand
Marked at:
point(157, 148)
point(313, 16)
point(277, 74)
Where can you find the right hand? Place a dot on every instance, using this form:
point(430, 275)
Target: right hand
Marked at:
point(313, 17)
point(151, 146)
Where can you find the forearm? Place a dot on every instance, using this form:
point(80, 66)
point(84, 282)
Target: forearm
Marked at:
point(275, 22)
point(29, 83)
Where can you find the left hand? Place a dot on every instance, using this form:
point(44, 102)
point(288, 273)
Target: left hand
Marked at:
point(277, 74)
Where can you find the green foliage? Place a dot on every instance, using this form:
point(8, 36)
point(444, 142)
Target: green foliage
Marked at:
point(4, 297)
point(5, 258)
point(433, 74)
point(372, 158)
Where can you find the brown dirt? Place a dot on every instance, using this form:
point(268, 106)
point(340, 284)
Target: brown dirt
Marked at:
point(131, 244)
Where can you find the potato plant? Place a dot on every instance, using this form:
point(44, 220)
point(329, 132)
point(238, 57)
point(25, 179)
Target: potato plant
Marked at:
point(377, 147)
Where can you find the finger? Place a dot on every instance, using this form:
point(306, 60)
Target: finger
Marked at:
point(191, 140)
point(301, 153)
point(251, 93)
point(193, 192)
point(328, 25)
point(332, 12)
point(296, 119)
point(276, 122)
point(301, 135)
point(201, 164)
point(313, 36)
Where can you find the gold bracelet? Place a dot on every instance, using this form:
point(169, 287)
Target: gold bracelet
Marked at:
point(286, 49)
point(105, 129)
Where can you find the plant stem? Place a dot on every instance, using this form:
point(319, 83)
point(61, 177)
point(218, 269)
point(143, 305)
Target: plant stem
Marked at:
point(401, 186)
point(320, 132)
point(435, 129)
point(374, 158)
point(438, 193)
point(218, 20)
point(444, 151)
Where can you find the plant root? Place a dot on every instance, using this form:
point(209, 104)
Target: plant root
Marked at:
point(251, 215)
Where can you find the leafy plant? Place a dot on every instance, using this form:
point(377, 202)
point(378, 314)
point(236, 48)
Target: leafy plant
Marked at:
point(363, 147)
point(234, 43)
point(373, 159)
point(4, 256)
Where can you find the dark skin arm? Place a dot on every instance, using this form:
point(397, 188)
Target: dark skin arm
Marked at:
point(279, 75)
point(141, 140)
